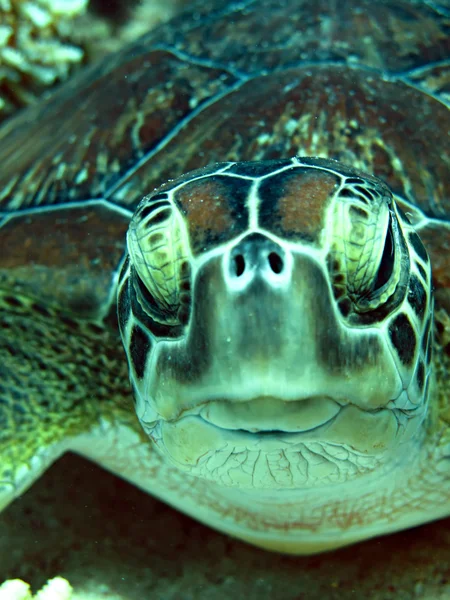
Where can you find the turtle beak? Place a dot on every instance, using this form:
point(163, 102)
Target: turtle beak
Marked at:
point(252, 316)
point(252, 313)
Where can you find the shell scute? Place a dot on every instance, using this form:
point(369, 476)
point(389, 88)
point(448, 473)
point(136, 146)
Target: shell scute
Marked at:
point(397, 36)
point(64, 259)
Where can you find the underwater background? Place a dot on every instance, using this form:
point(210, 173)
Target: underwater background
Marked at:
point(112, 541)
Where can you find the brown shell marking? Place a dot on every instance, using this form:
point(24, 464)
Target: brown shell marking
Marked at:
point(202, 201)
point(292, 203)
point(87, 136)
point(65, 259)
point(215, 208)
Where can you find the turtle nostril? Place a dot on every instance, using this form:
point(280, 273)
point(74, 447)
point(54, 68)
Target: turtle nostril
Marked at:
point(257, 258)
point(276, 262)
point(239, 264)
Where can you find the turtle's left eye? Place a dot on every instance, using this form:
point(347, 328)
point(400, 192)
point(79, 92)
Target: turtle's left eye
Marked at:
point(380, 265)
point(159, 251)
point(367, 251)
point(386, 267)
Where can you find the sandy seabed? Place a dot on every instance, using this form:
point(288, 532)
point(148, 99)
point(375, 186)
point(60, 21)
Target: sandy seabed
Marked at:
point(112, 541)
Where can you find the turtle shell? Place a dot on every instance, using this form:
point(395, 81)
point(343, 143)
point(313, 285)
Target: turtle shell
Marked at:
point(368, 86)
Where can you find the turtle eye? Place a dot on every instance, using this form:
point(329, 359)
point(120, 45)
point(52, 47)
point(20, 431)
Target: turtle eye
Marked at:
point(386, 267)
point(367, 251)
point(382, 269)
point(159, 250)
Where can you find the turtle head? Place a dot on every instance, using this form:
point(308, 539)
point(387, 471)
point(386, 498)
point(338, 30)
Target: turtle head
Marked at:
point(277, 321)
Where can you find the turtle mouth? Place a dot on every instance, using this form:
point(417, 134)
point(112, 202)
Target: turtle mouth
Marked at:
point(267, 415)
point(267, 441)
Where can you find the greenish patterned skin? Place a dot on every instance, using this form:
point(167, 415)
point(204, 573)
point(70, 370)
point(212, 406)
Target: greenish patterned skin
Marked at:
point(58, 378)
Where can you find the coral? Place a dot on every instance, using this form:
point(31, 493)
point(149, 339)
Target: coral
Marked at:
point(41, 41)
point(35, 47)
point(108, 26)
point(55, 589)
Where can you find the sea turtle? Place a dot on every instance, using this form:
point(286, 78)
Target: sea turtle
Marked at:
point(283, 161)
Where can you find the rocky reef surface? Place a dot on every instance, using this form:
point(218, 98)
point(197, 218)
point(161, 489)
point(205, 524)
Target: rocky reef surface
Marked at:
point(110, 540)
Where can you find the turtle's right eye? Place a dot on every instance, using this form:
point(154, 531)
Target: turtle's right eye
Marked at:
point(159, 250)
point(148, 302)
point(175, 314)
